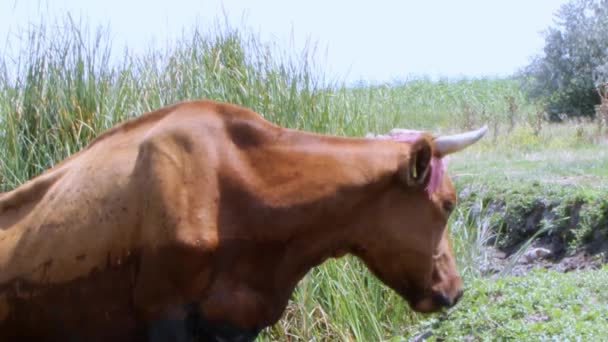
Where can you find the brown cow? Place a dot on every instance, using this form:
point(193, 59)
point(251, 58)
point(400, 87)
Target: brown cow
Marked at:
point(199, 219)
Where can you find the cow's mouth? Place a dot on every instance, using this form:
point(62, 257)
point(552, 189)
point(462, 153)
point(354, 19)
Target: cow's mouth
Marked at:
point(436, 302)
point(427, 301)
point(426, 305)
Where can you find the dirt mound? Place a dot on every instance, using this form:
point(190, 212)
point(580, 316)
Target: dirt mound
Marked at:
point(539, 255)
point(559, 227)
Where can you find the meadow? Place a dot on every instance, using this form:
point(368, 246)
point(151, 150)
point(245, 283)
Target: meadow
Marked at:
point(63, 87)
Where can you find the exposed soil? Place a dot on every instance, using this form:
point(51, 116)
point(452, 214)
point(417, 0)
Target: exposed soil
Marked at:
point(539, 255)
point(535, 228)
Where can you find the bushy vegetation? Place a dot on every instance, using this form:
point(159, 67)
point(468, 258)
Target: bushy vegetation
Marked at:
point(64, 88)
point(575, 60)
point(518, 211)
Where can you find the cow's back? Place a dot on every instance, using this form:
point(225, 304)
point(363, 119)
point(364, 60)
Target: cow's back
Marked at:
point(70, 255)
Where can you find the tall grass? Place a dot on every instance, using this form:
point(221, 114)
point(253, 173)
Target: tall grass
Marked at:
point(460, 104)
point(65, 87)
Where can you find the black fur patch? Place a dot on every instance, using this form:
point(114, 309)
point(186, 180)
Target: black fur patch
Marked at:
point(195, 328)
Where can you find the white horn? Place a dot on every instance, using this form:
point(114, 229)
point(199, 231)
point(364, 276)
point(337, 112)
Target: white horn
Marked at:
point(454, 143)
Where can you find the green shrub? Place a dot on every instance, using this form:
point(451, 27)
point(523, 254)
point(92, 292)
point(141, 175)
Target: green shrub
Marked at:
point(574, 62)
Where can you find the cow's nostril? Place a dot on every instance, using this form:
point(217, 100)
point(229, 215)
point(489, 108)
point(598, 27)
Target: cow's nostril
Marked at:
point(442, 300)
point(445, 301)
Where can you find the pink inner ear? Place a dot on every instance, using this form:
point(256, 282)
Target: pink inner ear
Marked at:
point(438, 165)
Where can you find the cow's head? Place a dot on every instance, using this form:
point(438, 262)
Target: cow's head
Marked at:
point(403, 237)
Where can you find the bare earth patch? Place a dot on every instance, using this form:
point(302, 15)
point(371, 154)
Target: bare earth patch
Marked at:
point(538, 255)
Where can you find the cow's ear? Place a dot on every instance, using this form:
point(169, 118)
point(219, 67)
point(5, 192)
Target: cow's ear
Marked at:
point(414, 172)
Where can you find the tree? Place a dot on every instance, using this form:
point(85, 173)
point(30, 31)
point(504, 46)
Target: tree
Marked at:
point(575, 60)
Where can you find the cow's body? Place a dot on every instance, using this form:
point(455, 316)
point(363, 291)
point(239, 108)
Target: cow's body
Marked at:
point(199, 218)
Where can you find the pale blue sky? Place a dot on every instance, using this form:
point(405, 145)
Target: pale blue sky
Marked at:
point(377, 41)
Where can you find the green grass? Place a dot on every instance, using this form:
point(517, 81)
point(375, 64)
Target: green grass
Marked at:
point(447, 105)
point(542, 306)
point(586, 166)
point(560, 191)
point(63, 89)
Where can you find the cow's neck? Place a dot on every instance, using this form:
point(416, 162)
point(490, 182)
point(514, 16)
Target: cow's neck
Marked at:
point(297, 206)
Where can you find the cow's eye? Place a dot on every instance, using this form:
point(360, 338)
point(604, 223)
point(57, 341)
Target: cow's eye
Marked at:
point(448, 206)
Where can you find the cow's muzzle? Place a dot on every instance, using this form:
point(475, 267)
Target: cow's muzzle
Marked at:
point(438, 301)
